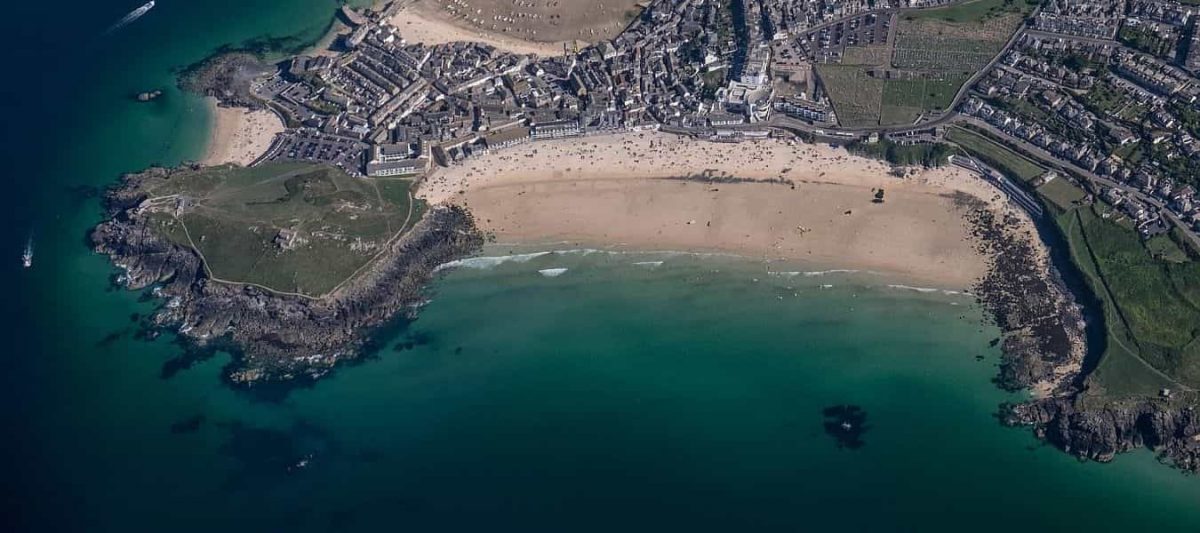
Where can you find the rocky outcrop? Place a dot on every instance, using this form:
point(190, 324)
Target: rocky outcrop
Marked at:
point(1101, 432)
point(1043, 330)
point(226, 77)
point(275, 337)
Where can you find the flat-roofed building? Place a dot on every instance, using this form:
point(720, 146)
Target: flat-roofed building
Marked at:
point(556, 129)
point(404, 167)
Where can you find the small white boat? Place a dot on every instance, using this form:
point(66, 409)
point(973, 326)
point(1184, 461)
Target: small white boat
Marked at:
point(27, 255)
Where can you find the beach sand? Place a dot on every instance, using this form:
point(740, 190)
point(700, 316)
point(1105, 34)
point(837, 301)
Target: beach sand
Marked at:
point(521, 27)
point(239, 135)
point(418, 25)
point(613, 191)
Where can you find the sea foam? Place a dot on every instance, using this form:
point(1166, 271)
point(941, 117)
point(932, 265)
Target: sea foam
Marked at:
point(947, 292)
point(491, 261)
point(814, 273)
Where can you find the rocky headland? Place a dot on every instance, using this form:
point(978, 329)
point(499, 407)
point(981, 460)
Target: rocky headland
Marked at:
point(274, 336)
point(1101, 432)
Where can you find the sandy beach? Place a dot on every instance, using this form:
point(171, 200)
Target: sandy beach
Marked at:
point(419, 27)
point(239, 135)
point(618, 191)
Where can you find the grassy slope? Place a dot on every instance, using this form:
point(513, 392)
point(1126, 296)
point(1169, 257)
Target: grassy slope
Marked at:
point(1150, 305)
point(994, 154)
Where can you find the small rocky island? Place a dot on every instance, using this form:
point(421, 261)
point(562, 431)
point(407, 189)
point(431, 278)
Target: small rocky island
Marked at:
point(324, 265)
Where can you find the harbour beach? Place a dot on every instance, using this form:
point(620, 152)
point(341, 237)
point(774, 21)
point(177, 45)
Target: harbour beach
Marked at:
point(238, 135)
point(419, 27)
point(541, 28)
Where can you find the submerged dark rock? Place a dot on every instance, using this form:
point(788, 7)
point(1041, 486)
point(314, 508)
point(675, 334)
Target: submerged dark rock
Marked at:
point(190, 424)
point(846, 424)
point(265, 456)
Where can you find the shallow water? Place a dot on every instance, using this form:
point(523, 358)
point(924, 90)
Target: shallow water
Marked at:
point(632, 392)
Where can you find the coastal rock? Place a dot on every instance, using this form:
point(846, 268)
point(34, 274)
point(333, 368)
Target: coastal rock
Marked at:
point(1099, 433)
point(275, 337)
point(226, 77)
point(1043, 339)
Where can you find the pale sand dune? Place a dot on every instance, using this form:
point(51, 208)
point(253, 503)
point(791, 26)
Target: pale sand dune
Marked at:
point(239, 135)
point(608, 191)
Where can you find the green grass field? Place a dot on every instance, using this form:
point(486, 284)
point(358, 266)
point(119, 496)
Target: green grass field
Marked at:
point(970, 11)
point(1061, 193)
point(1161, 247)
point(904, 100)
point(856, 96)
point(238, 217)
point(1150, 305)
point(995, 154)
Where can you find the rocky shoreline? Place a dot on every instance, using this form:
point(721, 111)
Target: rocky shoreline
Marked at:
point(1100, 433)
point(1043, 349)
point(1043, 341)
point(274, 337)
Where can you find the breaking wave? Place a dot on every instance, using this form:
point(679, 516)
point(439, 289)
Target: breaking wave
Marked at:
point(815, 273)
point(552, 272)
point(927, 290)
point(490, 261)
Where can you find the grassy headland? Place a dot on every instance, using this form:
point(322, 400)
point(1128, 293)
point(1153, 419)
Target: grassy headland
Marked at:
point(289, 227)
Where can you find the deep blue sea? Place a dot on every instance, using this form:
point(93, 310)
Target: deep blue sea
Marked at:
point(629, 392)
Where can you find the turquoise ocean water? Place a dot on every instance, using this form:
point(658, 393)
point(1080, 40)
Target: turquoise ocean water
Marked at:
point(619, 394)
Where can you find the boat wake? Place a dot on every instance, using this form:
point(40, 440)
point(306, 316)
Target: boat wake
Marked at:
point(131, 17)
point(27, 255)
